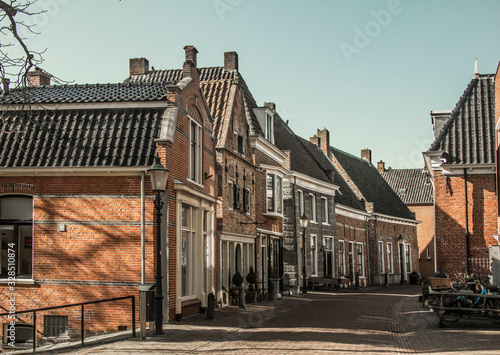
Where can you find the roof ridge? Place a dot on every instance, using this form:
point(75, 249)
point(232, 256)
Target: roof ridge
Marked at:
point(351, 155)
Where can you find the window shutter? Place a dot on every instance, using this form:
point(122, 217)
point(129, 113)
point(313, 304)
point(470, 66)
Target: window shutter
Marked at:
point(246, 200)
point(237, 201)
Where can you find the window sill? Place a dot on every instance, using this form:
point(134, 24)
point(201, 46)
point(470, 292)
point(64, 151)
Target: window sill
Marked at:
point(273, 214)
point(195, 182)
point(17, 282)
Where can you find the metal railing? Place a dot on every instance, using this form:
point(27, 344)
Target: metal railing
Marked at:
point(82, 304)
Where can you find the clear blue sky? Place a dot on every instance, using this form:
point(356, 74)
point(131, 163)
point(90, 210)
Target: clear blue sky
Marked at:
point(369, 71)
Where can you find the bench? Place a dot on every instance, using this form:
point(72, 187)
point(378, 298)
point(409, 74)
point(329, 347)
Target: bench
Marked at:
point(326, 281)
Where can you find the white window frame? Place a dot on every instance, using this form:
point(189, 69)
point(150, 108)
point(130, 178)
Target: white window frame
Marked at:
point(276, 195)
point(390, 258)
point(269, 127)
point(324, 210)
point(341, 258)
point(381, 261)
point(195, 176)
point(428, 251)
point(312, 208)
point(408, 260)
point(314, 255)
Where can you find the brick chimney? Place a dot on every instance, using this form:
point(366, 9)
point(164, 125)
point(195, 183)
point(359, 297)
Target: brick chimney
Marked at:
point(324, 137)
point(138, 66)
point(231, 60)
point(381, 166)
point(190, 63)
point(366, 154)
point(38, 77)
point(270, 105)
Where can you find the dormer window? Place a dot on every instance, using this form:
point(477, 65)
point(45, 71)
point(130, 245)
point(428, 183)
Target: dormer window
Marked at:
point(269, 127)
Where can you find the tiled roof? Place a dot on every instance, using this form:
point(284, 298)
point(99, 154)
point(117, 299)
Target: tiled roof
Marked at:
point(216, 82)
point(413, 186)
point(79, 138)
point(174, 75)
point(88, 93)
point(300, 158)
point(468, 136)
point(373, 187)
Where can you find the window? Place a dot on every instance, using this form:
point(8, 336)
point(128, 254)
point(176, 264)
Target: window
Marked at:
point(408, 258)
point(16, 236)
point(428, 250)
point(246, 200)
point(300, 195)
point(390, 258)
point(328, 265)
point(324, 210)
point(56, 326)
point(269, 128)
point(360, 259)
point(381, 266)
point(351, 259)
point(187, 250)
point(314, 255)
point(342, 257)
point(274, 193)
point(312, 207)
point(195, 156)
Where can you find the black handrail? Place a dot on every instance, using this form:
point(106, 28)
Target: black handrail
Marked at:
point(82, 304)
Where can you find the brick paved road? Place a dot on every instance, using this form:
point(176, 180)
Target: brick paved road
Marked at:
point(374, 320)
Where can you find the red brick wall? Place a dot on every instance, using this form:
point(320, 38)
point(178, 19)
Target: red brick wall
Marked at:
point(450, 218)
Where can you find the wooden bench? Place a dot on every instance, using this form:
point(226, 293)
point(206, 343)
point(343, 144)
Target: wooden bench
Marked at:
point(326, 281)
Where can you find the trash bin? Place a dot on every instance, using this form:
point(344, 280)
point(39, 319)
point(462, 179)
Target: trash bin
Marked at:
point(146, 306)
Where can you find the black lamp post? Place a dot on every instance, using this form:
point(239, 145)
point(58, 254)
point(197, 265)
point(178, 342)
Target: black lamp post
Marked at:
point(304, 221)
point(159, 177)
point(401, 258)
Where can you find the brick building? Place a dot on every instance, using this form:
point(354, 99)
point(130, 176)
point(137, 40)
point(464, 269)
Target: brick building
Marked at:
point(461, 161)
point(76, 202)
point(250, 173)
point(376, 232)
point(308, 189)
point(414, 188)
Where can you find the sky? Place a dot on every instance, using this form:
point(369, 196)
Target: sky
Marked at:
point(369, 71)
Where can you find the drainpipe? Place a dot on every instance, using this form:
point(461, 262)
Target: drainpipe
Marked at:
point(467, 233)
point(143, 232)
point(297, 270)
point(435, 235)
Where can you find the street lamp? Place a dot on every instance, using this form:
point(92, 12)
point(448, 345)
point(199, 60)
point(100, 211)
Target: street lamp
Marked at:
point(401, 242)
point(304, 221)
point(159, 177)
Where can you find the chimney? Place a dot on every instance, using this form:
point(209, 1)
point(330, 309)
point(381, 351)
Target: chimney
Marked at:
point(190, 54)
point(324, 140)
point(138, 66)
point(366, 154)
point(190, 64)
point(231, 60)
point(38, 77)
point(270, 105)
point(476, 69)
point(381, 166)
point(316, 140)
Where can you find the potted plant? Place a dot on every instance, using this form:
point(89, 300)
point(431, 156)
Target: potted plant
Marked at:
point(237, 281)
point(251, 294)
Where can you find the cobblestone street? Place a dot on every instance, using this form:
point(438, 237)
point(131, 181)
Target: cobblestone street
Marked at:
point(372, 320)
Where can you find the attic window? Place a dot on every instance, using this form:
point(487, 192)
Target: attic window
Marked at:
point(402, 190)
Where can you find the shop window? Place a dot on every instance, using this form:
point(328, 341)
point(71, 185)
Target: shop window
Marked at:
point(16, 236)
